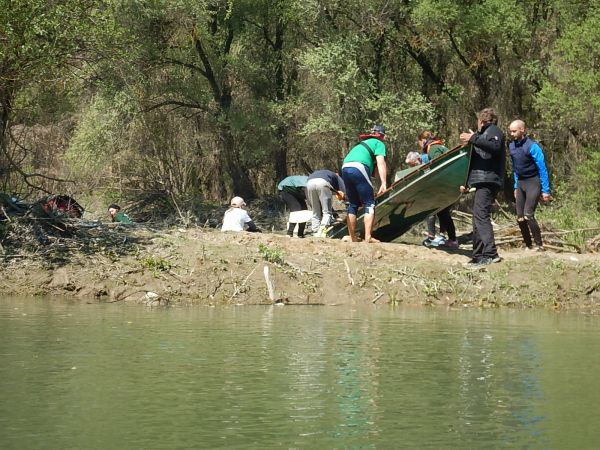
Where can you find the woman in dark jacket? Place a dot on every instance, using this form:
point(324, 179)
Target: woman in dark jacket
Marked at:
point(486, 175)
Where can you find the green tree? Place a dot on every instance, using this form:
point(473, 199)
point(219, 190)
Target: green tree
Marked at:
point(40, 42)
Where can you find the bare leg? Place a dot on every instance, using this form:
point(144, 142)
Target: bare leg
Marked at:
point(351, 222)
point(369, 219)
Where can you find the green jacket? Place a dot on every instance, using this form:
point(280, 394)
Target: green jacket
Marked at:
point(436, 150)
point(121, 217)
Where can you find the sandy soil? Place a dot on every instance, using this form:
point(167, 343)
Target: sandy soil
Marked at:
point(204, 266)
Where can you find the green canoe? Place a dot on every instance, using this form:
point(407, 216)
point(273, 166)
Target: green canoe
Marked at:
point(422, 192)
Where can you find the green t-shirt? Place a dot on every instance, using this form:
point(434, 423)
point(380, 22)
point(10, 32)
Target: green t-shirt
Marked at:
point(293, 181)
point(123, 218)
point(360, 154)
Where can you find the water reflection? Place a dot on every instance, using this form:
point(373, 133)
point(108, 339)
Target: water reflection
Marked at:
point(98, 376)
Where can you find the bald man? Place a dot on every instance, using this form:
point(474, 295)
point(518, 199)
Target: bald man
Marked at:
point(530, 178)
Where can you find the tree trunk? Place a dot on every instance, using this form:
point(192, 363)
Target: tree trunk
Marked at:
point(5, 108)
point(221, 92)
point(241, 183)
point(281, 151)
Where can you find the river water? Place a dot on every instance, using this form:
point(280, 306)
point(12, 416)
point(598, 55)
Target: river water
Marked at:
point(91, 376)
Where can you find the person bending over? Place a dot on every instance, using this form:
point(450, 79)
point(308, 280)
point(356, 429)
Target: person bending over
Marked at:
point(358, 166)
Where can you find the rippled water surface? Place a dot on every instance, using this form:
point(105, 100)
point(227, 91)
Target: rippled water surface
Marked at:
point(124, 377)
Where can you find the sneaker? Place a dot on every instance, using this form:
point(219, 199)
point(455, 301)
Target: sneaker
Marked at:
point(479, 262)
point(427, 242)
point(475, 262)
point(483, 262)
point(539, 248)
point(323, 231)
point(438, 240)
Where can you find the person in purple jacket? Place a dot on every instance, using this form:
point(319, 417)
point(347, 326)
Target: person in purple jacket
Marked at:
point(531, 178)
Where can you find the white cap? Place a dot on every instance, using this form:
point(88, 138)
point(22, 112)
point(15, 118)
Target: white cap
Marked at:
point(237, 202)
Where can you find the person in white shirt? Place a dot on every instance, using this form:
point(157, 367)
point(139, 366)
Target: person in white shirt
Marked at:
point(236, 217)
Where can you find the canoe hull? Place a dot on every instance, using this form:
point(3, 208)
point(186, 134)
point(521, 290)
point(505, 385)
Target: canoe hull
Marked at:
point(413, 198)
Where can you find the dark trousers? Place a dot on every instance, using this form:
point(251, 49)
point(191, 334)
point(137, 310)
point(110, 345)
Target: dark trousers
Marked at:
point(295, 201)
point(446, 222)
point(484, 245)
point(527, 197)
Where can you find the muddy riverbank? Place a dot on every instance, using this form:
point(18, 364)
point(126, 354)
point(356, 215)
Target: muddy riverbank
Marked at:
point(204, 266)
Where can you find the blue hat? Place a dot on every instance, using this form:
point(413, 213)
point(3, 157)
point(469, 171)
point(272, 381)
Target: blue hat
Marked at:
point(378, 129)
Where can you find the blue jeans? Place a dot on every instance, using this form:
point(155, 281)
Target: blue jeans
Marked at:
point(358, 189)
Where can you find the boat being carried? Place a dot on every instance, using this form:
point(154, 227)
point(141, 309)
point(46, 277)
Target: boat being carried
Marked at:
point(419, 193)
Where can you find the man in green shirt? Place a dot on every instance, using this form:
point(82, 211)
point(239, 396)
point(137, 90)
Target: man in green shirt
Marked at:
point(118, 216)
point(358, 166)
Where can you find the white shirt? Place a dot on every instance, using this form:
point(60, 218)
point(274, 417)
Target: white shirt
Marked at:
point(234, 219)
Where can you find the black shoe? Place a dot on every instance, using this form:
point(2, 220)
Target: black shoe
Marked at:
point(485, 261)
point(480, 262)
point(473, 262)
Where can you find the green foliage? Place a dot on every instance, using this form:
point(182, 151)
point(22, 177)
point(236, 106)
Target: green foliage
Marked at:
point(173, 101)
point(577, 204)
point(272, 255)
point(99, 136)
point(570, 98)
point(156, 264)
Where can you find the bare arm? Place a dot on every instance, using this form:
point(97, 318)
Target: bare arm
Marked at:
point(382, 171)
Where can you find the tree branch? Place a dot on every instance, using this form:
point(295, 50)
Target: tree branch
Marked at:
point(185, 64)
point(210, 75)
point(25, 175)
point(177, 103)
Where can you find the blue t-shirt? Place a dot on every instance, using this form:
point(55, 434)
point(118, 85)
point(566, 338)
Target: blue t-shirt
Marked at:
point(331, 177)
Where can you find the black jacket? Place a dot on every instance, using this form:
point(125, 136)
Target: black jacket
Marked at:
point(488, 157)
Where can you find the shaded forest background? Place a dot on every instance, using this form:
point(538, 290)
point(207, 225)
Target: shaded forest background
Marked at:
point(173, 104)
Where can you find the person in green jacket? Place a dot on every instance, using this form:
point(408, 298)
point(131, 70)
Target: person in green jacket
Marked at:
point(292, 191)
point(118, 216)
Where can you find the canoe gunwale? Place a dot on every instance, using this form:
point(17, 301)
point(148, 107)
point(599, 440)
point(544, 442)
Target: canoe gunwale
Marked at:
point(406, 185)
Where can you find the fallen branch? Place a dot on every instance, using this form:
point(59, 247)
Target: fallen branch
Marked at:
point(377, 297)
point(270, 285)
point(120, 298)
point(350, 279)
point(504, 213)
point(237, 289)
point(563, 243)
point(555, 247)
point(570, 231)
